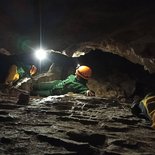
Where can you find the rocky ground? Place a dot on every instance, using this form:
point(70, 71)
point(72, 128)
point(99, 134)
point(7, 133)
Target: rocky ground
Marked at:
point(72, 125)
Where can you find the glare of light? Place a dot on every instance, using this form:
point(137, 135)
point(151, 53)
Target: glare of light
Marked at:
point(41, 54)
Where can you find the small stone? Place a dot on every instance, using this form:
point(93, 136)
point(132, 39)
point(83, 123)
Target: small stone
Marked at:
point(23, 99)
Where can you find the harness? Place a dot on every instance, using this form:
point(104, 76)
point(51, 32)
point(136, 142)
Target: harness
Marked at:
point(149, 104)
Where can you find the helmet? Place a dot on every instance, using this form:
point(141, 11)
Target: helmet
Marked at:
point(84, 71)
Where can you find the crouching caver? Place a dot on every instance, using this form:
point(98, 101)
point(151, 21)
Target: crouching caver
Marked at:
point(145, 109)
point(15, 67)
point(74, 83)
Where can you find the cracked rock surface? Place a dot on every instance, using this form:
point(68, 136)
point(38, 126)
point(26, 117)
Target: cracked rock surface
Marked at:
point(73, 125)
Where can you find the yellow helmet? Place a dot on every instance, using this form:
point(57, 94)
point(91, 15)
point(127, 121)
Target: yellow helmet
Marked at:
point(84, 71)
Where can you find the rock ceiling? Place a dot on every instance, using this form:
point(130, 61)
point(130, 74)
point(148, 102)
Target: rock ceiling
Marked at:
point(122, 27)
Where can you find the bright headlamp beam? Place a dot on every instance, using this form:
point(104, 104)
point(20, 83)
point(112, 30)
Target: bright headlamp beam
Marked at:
point(41, 54)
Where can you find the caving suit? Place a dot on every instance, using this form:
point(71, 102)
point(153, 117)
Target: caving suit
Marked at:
point(60, 87)
point(145, 108)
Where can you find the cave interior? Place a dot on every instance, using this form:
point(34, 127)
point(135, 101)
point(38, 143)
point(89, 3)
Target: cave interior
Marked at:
point(116, 39)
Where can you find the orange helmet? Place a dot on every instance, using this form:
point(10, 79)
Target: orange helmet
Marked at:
point(84, 71)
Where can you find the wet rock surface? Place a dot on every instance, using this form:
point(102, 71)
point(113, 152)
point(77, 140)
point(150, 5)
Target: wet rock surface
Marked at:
point(73, 125)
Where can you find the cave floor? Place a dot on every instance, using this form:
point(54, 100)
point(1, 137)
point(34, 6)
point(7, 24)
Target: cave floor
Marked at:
point(73, 125)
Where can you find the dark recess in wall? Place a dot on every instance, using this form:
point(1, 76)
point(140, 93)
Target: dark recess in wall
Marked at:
point(104, 64)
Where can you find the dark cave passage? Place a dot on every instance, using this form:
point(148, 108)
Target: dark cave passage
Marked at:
point(106, 65)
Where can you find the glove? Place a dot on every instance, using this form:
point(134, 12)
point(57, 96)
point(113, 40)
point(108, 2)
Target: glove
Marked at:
point(90, 93)
point(33, 70)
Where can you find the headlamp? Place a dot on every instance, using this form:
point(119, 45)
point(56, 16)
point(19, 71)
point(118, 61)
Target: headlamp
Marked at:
point(41, 54)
